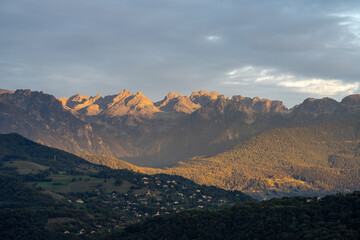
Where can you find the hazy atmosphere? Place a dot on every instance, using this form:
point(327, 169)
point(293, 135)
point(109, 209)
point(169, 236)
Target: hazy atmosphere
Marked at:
point(286, 50)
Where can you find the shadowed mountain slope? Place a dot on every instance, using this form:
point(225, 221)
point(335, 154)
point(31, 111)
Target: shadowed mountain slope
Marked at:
point(42, 118)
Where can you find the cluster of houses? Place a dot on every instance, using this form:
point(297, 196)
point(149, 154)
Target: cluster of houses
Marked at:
point(154, 197)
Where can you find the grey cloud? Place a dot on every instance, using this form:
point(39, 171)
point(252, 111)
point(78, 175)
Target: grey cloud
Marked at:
point(162, 45)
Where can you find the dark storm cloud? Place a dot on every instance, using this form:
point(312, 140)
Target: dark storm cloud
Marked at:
point(286, 50)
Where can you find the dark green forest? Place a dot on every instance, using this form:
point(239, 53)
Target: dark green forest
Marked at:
point(331, 217)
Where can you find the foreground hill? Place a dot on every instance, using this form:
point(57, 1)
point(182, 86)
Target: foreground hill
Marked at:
point(332, 217)
point(14, 146)
point(46, 193)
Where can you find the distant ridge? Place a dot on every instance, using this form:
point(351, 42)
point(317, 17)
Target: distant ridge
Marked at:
point(127, 103)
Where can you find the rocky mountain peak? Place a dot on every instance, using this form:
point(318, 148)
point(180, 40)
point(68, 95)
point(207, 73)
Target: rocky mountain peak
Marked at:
point(2, 91)
point(323, 105)
point(119, 104)
point(172, 95)
point(256, 104)
point(202, 92)
point(203, 97)
point(37, 104)
point(76, 100)
point(79, 98)
point(352, 103)
point(138, 100)
point(23, 92)
point(80, 102)
point(313, 108)
point(119, 97)
point(128, 103)
point(257, 99)
point(175, 102)
point(351, 99)
point(124, 92)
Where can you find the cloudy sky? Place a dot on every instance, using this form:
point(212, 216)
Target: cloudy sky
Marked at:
point(277, 49)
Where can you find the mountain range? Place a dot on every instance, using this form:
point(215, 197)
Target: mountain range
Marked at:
point(130, 127)
point(250, 144)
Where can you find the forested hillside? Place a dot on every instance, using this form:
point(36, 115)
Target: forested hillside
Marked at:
point(46, 193)
point(288, 161)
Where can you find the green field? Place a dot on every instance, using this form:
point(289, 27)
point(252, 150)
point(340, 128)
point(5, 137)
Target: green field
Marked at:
point(25, 167)
point(63, 183)
point(82, 183)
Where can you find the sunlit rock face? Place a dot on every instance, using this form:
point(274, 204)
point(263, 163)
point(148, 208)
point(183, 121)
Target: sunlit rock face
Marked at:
point(178, 103)
point(203, 97)
point(116, 105)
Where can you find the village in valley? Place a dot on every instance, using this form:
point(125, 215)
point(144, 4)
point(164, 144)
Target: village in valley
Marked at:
point(148, 196)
